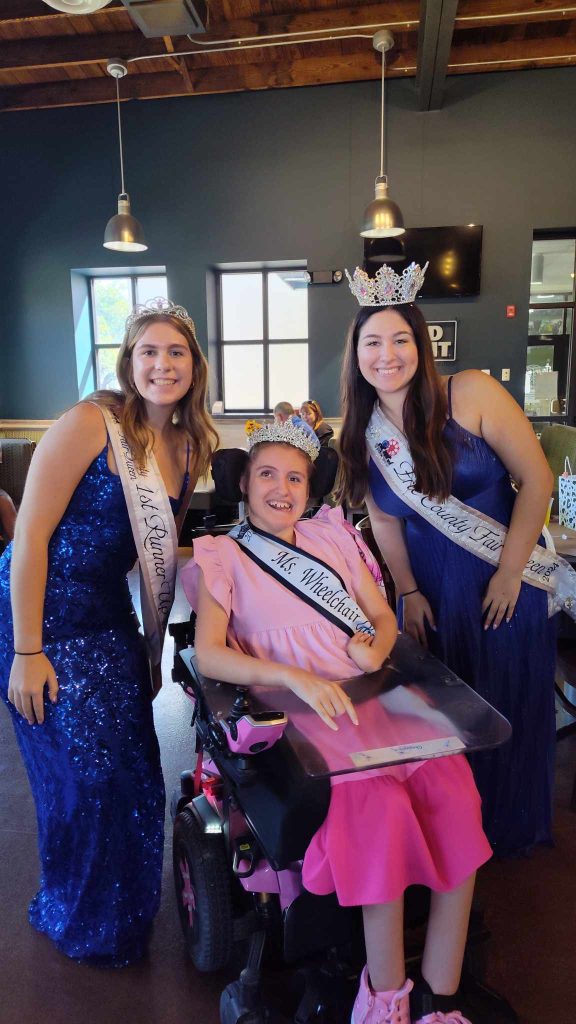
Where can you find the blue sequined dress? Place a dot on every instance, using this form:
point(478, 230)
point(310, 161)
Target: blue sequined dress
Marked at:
point(94, 765)
point(512, 666)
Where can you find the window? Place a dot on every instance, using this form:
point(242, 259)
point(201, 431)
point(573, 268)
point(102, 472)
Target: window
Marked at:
point(550, 362)
point(113, 298)
point(263, 338)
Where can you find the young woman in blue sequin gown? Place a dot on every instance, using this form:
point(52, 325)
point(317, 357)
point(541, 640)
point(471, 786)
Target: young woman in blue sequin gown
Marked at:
point(82, 708)
point(452, 594)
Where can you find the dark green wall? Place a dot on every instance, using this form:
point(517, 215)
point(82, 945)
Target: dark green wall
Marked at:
point(271, 176)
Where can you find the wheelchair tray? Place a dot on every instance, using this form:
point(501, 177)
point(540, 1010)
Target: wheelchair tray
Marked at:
point(412, 709)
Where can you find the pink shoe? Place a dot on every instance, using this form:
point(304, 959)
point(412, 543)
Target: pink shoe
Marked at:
point(437, 1017)
point(382, 1007)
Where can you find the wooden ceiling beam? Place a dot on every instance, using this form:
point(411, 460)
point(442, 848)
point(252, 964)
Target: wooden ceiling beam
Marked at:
point(393, 12)
point(486, 13)
point(361, 66)
point(61, 51)
point(238, 78)
point(179, 63)
point(434, 43)
point(513, 53)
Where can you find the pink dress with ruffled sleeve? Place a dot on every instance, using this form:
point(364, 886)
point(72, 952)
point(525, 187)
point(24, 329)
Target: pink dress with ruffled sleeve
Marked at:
point(386, 828)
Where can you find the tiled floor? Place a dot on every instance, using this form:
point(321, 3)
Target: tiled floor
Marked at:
point(531, 909)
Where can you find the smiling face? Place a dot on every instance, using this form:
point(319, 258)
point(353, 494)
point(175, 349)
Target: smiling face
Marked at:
point(162, 364)
point(277, 484)
point(387, 353)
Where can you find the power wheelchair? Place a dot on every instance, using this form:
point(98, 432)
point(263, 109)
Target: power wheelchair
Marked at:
point(243, 818)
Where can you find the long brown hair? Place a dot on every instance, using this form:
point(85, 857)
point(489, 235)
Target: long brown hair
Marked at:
point(424, 414)
point(190, 415)
point(316, 411)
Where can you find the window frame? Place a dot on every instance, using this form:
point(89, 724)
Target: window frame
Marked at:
point(118, 274)
point(569, 415)
point(265, 341)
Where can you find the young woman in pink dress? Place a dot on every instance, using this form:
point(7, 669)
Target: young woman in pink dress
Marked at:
point(387, 828)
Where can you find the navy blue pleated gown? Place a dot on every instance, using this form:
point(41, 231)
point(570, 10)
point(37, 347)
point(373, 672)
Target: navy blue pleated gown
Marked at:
point(512, 667)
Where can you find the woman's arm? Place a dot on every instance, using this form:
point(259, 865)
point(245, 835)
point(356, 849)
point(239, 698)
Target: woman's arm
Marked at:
point(218, 661)
point(369, 652)
point(57, 467)
point(505, 428)
point(389, 535)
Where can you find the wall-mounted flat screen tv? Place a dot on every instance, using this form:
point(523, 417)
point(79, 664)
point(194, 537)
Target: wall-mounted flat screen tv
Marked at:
point(454, 255)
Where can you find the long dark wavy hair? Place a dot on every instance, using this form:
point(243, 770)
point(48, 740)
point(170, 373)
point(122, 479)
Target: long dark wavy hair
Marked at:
point(425, 411)
point(190, 414)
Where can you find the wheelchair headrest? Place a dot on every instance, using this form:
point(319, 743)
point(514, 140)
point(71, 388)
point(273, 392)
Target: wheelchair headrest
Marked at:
point(228, 465)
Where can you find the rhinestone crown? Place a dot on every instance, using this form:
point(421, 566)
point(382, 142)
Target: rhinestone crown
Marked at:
point(288, 433)
point(159, 305)
point(387, 288)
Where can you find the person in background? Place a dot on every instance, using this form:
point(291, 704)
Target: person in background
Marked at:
point(311, 413)
point(74, 669)
point(433, 457)
point(283, 411)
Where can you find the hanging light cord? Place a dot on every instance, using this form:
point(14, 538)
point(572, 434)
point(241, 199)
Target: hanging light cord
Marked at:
point(383, 122)
point(120, 135)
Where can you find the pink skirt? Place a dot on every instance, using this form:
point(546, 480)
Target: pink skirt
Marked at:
point(382, 835)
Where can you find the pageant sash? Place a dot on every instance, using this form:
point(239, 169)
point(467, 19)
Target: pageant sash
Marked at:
point(154, 533)
point(305, 576)
point(471, 529)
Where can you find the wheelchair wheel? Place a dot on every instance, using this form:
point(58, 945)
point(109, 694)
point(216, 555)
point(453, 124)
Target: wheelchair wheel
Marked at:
point(202, 880)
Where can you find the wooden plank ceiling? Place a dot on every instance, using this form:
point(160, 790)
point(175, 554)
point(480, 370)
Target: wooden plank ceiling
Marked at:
point(48, 59)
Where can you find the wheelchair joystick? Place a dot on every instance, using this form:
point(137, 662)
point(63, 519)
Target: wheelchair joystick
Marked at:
point(249, 732)
point(241, 705)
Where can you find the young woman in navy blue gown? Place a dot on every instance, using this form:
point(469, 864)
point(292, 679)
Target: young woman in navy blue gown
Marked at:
point(467, 437)
point(73, 666)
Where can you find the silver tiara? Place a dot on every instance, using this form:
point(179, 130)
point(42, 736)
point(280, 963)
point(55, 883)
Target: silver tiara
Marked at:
point(286, 433)
point(387, 288)
point(160, 305)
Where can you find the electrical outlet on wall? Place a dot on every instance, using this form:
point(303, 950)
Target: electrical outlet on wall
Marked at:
point(505, 374)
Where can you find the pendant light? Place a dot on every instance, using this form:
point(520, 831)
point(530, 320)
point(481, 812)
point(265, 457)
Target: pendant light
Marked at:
point(123, 232)
point(382, 217)
point(77, 6)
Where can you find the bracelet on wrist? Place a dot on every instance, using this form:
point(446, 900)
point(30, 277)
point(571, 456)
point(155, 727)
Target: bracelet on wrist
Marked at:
point(28, 654)
point(408, 592)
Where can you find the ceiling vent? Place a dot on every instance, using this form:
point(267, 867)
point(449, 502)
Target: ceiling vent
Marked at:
point(156, 18)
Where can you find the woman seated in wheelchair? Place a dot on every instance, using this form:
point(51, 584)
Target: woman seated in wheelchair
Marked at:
point(387, 828)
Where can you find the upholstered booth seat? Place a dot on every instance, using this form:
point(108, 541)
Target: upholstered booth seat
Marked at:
point(15, 456)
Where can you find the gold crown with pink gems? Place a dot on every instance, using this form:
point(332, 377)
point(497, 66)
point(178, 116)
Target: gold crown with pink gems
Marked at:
point(387, 288)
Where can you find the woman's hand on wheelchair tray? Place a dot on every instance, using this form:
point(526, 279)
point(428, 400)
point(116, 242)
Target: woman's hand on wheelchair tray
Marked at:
point(327, 699)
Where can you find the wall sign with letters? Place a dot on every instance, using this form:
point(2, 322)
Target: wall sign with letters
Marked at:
point(443, 338)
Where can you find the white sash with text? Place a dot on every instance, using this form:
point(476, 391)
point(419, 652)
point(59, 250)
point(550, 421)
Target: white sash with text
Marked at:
point(306, 576)
point(154, 533)
point(471, 529)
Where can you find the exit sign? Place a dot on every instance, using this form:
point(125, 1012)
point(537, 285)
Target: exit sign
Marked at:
point(443, 337)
